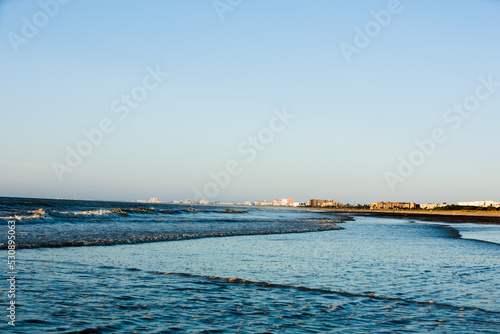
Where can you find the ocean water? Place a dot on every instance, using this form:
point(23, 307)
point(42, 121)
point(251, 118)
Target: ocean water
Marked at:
point(373, 276)
point(64, 223)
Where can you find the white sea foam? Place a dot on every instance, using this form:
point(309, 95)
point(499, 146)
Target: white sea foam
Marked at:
point(37, 214)
point(92, 212)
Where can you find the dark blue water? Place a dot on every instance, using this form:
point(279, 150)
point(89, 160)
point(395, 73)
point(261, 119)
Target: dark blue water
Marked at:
point(374, 276)
point(63, 223)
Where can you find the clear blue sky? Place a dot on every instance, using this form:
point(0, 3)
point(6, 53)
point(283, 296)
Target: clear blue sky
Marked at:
point(353, 120)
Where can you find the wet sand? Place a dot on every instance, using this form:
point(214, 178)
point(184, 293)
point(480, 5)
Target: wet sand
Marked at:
point(435, 216)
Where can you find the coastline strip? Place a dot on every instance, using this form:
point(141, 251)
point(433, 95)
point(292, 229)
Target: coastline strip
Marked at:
point(446, 217)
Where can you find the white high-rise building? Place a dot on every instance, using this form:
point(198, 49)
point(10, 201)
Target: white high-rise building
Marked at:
point(483, 204)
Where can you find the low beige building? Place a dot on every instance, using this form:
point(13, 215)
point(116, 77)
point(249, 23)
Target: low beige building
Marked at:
point(392, 205)
point(430, 206)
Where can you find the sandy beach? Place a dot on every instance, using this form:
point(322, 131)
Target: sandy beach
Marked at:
point(437, 216)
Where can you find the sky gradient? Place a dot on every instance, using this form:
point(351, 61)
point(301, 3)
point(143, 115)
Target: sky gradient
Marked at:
point(354, 118)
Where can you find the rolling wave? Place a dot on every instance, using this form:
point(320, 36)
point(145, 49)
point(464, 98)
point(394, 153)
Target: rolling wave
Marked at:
point(47, 214)
point(157, 237)
point(241, 281)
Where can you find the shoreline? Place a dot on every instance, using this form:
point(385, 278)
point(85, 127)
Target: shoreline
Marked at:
point(439, 216)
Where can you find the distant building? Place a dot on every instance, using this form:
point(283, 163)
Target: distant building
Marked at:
point(283, 202)
point(320, 202)
point(224, 203)
point(263, 203)
point(333, 204)
point(430, 206)
point(483, 204)
point(392, 205)
point(151, 200)
point(276, 202)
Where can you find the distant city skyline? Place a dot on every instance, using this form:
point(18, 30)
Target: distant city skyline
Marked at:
point(358, 101)
point(327, 203)
point(290, 202)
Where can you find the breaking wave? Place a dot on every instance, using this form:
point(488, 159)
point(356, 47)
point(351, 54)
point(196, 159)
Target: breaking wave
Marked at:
point(47, 214)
